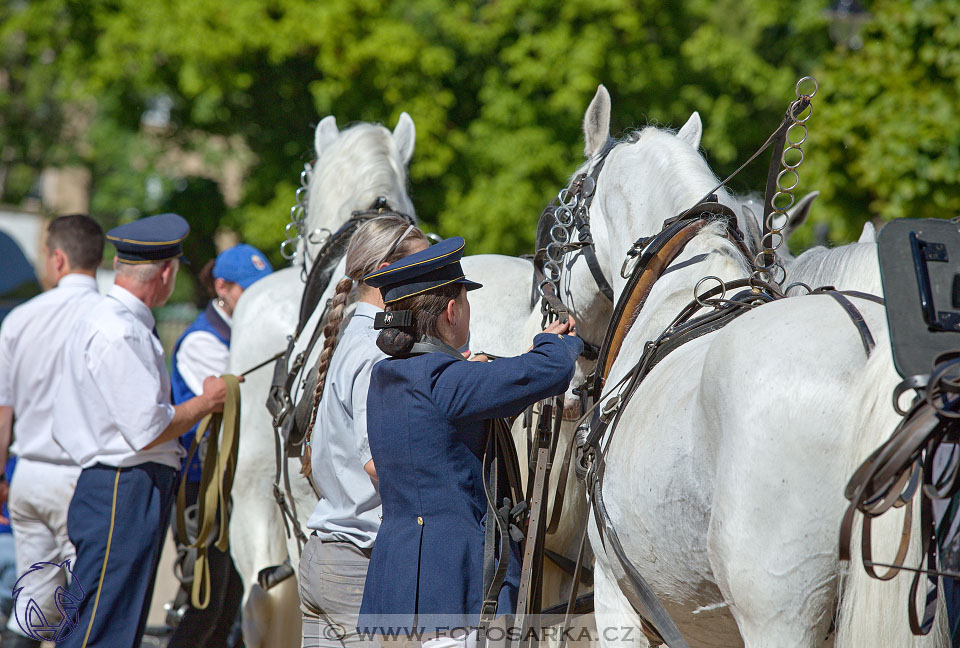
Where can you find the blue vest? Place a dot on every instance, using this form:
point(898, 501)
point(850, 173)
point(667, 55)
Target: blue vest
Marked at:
point(426, 424)
point(211, 322)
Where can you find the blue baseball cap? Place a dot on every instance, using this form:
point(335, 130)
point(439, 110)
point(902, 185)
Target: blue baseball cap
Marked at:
point(150, 239)
point(242, 264)
point(417, 273)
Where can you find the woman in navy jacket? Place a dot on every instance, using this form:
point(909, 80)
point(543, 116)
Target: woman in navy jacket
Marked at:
point(426, 418)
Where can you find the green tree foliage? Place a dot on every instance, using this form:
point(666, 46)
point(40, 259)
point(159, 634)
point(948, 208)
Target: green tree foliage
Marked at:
point(884, 142)
point(497, 90)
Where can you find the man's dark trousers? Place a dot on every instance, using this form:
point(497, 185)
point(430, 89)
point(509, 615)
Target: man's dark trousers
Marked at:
point(117, 521)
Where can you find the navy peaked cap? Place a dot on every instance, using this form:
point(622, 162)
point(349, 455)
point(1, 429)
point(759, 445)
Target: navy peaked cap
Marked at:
point(426, 270)
point(150, 239)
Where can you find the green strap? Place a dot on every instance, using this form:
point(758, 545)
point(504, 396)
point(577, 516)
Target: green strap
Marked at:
point(216, 482)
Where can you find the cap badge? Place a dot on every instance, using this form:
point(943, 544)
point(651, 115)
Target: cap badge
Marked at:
point(257, 262)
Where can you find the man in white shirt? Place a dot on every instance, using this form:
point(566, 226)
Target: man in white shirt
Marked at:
point(113, 416)
point(31, 339)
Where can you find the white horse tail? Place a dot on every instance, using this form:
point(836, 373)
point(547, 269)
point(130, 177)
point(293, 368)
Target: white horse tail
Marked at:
point(873, 612)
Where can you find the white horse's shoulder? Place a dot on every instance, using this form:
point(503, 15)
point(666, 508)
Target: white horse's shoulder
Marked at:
point(265, 315)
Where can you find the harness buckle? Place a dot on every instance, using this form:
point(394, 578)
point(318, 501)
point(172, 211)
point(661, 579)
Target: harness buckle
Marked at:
point(610, 409)
point(488, 609)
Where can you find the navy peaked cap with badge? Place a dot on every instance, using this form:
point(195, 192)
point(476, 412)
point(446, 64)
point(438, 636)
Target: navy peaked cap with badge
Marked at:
point(150, 239)
point(417, 273)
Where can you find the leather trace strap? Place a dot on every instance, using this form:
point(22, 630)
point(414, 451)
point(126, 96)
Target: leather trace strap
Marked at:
point(213, 502)
point(504, 517)
point(841, 297)
point(531, 573)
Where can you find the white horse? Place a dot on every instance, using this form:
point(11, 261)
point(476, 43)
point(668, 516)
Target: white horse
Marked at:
point(725, 475)
point(353, 168)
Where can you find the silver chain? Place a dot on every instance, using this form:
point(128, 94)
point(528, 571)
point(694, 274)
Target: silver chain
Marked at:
point(787, 181)
point(294, 231)
point(563, 228)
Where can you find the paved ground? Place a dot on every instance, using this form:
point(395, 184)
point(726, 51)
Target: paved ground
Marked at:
point(166, 585)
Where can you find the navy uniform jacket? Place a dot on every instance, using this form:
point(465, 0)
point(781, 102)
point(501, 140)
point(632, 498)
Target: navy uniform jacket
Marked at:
point(425, 421)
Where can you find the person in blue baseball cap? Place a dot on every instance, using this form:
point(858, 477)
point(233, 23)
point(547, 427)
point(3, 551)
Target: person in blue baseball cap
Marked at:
point(201, 351)
point(438, 450)
point(113, 416)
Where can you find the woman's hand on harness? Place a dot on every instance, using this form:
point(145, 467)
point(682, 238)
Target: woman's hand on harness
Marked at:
point(569, 327)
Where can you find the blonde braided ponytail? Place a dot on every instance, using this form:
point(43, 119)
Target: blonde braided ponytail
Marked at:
point(380, 240)
point(330, 334)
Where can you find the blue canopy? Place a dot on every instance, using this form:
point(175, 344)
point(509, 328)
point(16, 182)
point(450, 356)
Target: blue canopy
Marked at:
point(18, 281)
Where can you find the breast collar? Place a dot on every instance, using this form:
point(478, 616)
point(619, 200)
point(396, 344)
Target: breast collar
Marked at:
point(428, 344)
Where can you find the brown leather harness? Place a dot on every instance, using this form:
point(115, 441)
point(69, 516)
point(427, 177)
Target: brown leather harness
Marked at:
point(890, 476)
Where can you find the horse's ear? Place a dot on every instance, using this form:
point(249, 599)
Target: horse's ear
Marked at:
point(596, 122)
point(751, 226)
point(869, 233)
point(692, 130)
point(797, 215)
point(325, 134)
point(406, 136)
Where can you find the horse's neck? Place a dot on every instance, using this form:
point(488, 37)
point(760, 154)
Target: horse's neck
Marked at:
point(645, 207)
point(709, 255)
point(848, 267)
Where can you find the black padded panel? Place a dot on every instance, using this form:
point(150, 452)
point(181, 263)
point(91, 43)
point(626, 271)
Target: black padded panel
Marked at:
point(920, 270)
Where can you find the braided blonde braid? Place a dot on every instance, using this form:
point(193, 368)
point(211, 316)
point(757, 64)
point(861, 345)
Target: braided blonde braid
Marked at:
point(330, 334)
point(390, 235)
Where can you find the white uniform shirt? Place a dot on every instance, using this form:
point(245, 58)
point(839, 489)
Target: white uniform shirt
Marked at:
point(114, 397)
point(349, 506)
point(201, 355)
point(31, 342)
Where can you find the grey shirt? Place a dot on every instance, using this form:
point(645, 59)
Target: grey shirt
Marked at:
point(349, 506)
